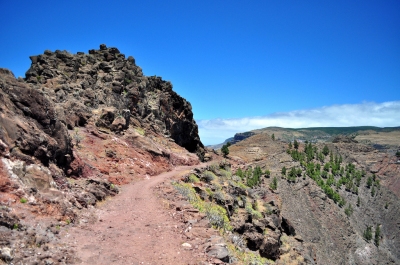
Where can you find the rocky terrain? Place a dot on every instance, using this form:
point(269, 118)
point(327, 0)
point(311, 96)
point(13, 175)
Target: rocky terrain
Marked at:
point(74, 130)
point(331, 207)
point(103, 165)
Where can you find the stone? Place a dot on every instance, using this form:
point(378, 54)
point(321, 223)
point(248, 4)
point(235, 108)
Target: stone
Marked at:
point(186, 245)
point(6, 254)
point(218, 251)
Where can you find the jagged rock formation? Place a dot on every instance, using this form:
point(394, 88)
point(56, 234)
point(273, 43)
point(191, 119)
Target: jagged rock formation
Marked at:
point(112, 89)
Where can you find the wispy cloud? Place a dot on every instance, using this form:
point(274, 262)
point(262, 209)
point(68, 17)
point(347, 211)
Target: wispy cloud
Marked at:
point(386, 114)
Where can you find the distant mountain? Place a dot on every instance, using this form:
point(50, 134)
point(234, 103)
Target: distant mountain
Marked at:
point(315, 134)
point(235, 139)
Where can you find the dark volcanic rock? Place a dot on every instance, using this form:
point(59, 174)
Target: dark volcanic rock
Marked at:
point(241, 136)
point(86, 86)
point(29, 124)
point(344, 139)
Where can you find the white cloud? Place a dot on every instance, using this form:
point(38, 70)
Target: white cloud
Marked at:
point(386, 114)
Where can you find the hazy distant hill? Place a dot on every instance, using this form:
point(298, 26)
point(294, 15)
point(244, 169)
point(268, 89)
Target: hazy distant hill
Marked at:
point(365, 134)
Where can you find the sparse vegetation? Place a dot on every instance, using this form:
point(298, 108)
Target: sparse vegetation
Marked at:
point(225, 149)
point(192, 178)
point(77, 137)
point(254, 213)
point(216, 215)
point(208, 176)
point(325, 150)
point(368, 233)
point(23, 200)
point(296, 144)
point(377, 237)
point(283, 171)
point(140, 131)
point(253, 176)
point(274, 183)
point(348, 210)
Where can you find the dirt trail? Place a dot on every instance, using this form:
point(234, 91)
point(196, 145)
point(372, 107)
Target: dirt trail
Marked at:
point(132, 228)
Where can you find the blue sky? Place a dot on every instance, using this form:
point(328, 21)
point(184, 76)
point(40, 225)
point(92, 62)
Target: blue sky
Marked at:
point(234, 60)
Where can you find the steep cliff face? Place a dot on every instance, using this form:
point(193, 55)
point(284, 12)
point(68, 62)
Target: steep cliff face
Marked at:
point(111, 89)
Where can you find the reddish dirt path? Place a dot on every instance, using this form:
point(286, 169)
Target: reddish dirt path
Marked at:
point(133, 228)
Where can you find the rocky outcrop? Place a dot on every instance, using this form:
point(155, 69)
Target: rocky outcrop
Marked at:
point(30, 128)
point(112, 91)
point(256, 231)
point(73, 129)
point(241, 136)
point(344, 139)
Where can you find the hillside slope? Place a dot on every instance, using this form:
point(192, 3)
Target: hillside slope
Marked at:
point(333, 228)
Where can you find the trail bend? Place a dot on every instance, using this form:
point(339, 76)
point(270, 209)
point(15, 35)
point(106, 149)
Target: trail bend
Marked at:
point(132, 228)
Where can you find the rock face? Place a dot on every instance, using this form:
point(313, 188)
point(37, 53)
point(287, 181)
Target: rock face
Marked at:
point(241, 136)
point(29, 127)
point(105, 86)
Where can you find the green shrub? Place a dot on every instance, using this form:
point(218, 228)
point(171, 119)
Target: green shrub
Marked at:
point(254, 213)
point(283, 171)
point(213, 167)
point(368, 233)
point(23, 200)
point(274, 184)
point(225, 173)
point(348, 210)
point(219, 197)
point(217, 217)
point(240, 173)
point(192, 178)
point(208, 176)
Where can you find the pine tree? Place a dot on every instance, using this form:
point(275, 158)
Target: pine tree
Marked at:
point(325, 150)
point(377, 235)
point(368, 233)
point(225, 149)
point(274, 184)
point(296, 144)
point(283, 171)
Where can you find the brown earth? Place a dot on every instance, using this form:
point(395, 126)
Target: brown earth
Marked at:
point(132, 228)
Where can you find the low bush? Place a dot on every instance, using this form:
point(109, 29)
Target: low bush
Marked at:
point(208, 176)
